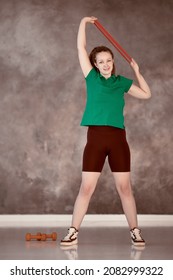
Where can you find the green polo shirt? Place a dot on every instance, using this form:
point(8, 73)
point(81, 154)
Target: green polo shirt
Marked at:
point(105, 100)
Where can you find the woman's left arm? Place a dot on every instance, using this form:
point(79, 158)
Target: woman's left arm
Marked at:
point(142, 91)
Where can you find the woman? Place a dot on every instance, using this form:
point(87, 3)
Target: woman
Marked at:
point(106, 132)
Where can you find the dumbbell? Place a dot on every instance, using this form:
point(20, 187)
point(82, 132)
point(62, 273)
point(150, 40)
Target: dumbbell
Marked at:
point(29, 236)
point(41, 237)
point(53, 236)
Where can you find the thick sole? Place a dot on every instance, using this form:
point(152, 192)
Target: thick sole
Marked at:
point(65, 243)
point(71, 248)
point(138, 244)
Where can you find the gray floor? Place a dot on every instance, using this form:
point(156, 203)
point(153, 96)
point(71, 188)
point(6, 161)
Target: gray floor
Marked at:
point(94, 244)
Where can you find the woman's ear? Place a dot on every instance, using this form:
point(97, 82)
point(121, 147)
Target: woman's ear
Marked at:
point(95, 64)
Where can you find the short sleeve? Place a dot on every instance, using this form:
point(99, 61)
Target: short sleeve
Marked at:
point(125, 83)
point(91, 75)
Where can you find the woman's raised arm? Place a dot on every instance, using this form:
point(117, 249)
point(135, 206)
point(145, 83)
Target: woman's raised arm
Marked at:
point(81, 45)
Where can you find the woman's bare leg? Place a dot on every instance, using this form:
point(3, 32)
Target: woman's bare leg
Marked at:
point(123, 185)
point(88, 185)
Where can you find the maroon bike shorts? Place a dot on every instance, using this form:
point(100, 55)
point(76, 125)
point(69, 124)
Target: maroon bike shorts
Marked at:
point(106, 141)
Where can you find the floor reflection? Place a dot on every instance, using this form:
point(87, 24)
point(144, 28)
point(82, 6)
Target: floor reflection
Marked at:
point(29, 245)
point(94, 244)
point(136, 252)
point(71, 252)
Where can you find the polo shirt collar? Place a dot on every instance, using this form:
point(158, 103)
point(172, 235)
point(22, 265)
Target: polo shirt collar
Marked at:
point(112, 78)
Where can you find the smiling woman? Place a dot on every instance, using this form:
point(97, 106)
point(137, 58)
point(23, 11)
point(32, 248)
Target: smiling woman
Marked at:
point(104, 63)
point(106, 133)
point(102, 59)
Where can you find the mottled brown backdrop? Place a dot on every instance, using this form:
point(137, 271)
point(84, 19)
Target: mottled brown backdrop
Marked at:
point(42, 97)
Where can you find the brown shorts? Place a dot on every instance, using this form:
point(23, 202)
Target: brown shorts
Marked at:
point(106, 141)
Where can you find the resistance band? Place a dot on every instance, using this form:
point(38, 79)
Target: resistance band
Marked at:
point(113, 41)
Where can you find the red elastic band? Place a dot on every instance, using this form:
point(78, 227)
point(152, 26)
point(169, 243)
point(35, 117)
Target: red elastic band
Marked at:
point(113, 41)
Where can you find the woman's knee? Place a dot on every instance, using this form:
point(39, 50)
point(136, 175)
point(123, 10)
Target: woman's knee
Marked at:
point(87, 189)
point(124, 189)
point(88, 184)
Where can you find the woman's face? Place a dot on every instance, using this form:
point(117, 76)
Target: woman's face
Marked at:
point(104, 63)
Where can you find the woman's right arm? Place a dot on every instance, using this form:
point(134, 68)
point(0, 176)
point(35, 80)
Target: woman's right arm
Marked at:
point(81, 45)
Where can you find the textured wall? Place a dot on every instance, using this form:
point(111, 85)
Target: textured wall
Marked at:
point(42, 97)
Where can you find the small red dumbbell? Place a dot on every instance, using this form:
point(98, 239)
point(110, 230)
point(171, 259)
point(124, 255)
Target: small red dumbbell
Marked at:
point(52, 236)
point(41, 236)
point(37, 236)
